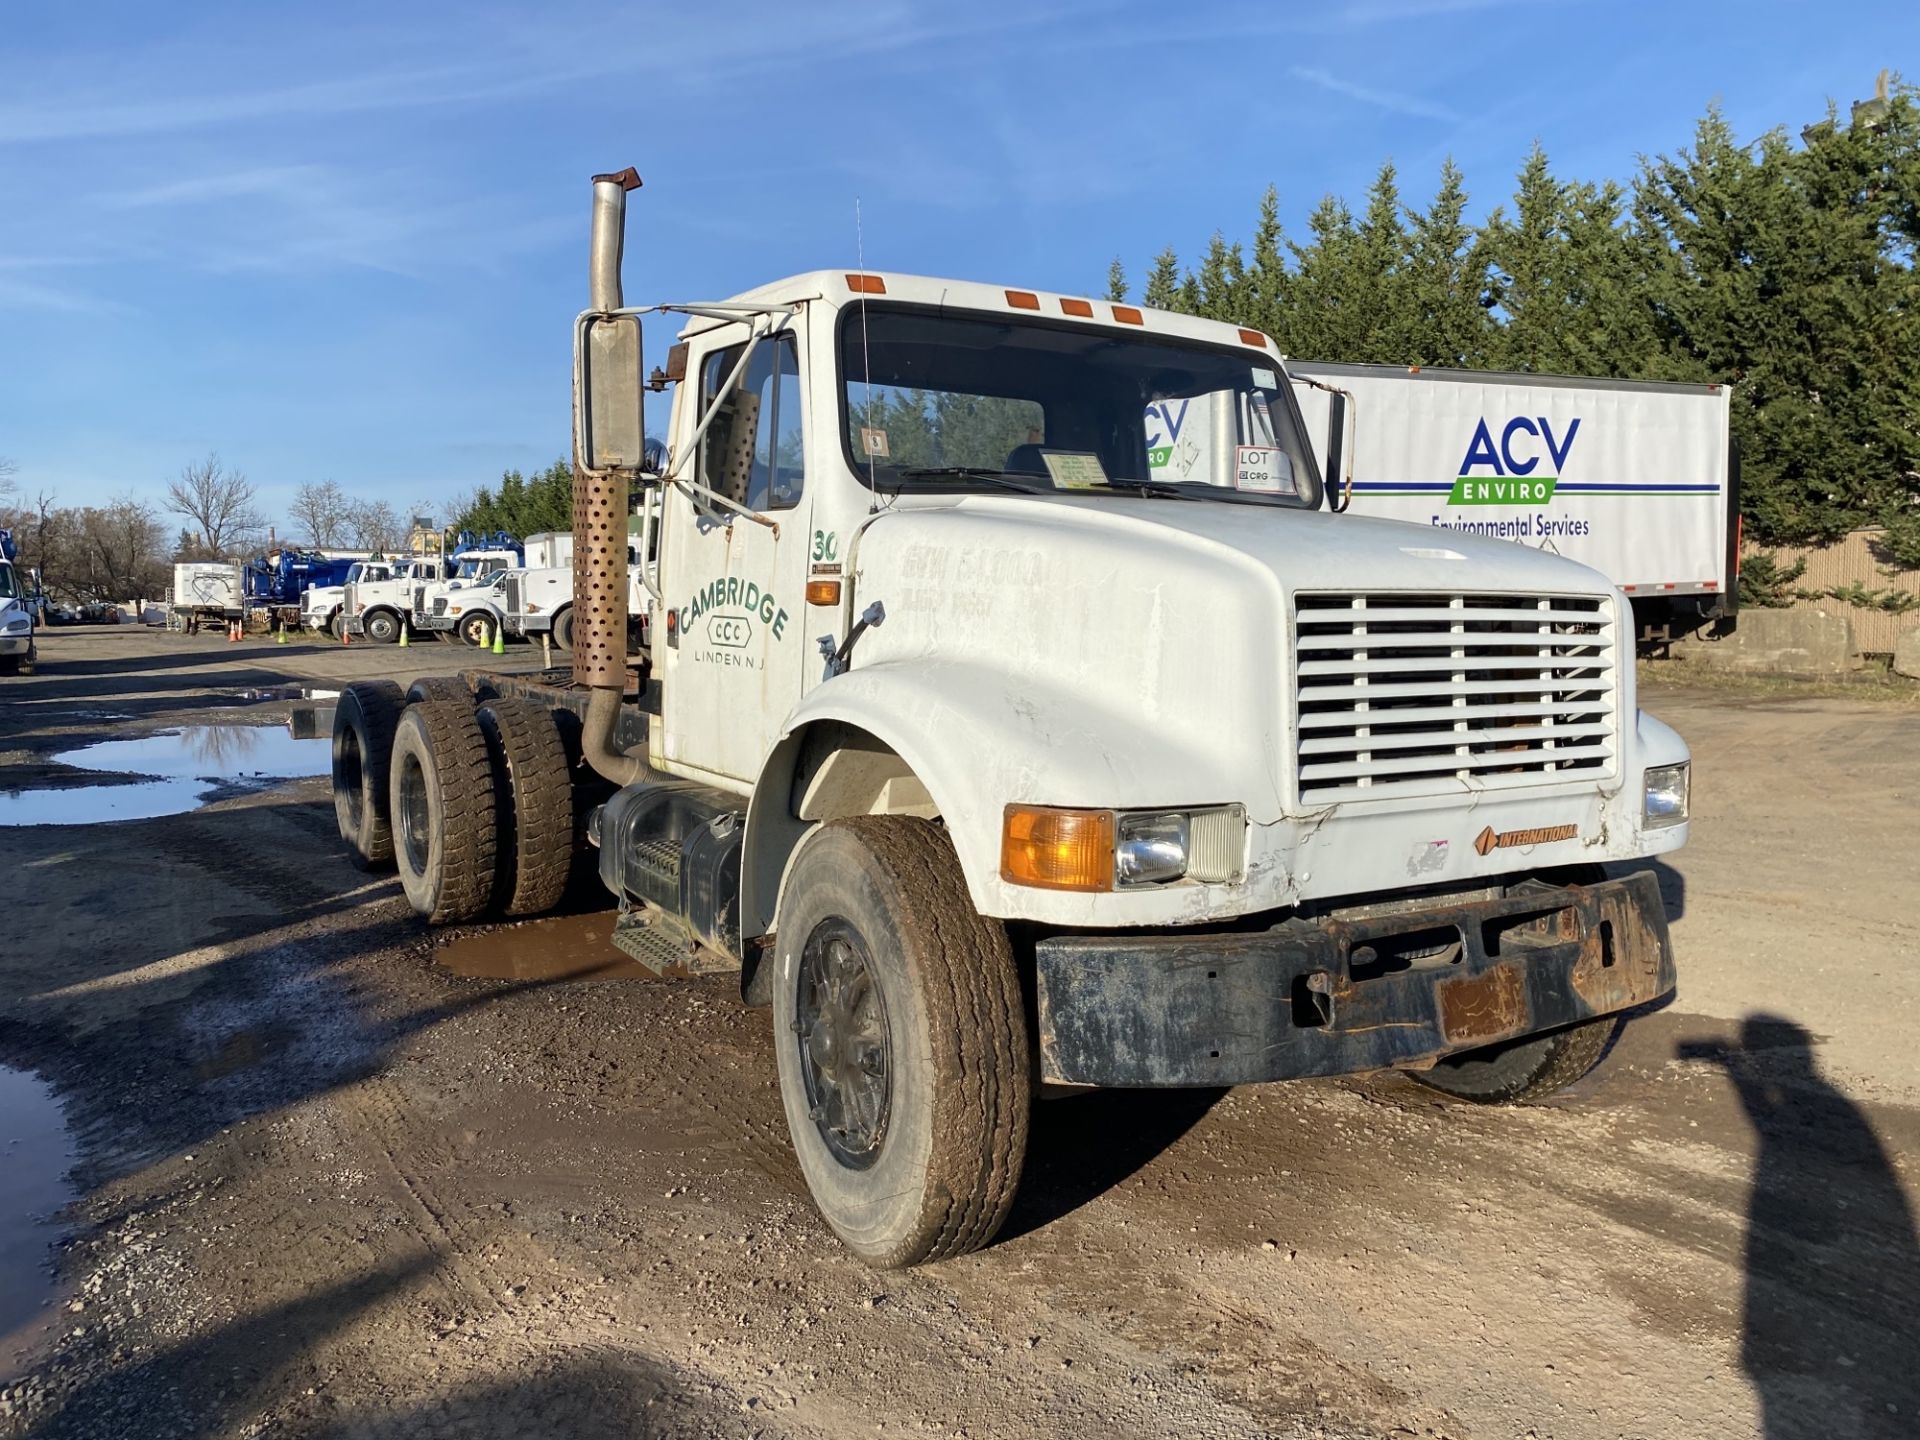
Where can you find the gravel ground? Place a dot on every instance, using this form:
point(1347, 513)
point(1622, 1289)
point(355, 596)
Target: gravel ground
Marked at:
point(329, 1185)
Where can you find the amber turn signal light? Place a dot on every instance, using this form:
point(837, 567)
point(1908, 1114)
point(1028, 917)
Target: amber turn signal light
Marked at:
point(823, 592)
point(1057, 849)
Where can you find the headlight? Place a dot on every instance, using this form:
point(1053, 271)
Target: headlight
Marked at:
point(1149, 849)
point(1123, 850)
point(17, 625)
point(1666, 797)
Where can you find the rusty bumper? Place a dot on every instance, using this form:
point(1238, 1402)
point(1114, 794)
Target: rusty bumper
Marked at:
point(1335, 996)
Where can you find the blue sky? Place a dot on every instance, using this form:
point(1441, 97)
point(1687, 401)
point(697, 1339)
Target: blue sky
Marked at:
point(345, 241)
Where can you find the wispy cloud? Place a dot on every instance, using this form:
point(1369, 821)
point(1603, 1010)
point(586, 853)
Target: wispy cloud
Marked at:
point(1399, 104)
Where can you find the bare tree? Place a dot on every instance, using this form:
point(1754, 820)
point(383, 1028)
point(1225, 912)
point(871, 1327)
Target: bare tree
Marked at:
point(219, 503)
point(123, 549)
point(321, 510)
point(377, 526)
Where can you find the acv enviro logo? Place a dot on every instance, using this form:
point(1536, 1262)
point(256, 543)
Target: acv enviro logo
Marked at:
point(1490, 840)
point(1509, 473)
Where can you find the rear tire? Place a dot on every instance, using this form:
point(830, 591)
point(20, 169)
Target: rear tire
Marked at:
point(901, 1037)
point(563, 630)
point(450, 689)
point(1518, 1072)
point(534, 793)
point(364, 718)
point(443, 812)
point(477, 630)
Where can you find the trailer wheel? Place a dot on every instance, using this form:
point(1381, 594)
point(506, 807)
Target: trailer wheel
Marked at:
point(443, 812)
point(476, 628)
point(363, 721)
point(383, 627)
point(563, 629)
point(901, 1038)
point(1518, 1072)
point(534, 792)
point(449, 688)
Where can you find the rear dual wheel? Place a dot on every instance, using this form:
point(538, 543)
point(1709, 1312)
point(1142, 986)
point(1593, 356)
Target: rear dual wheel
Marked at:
point(442, 803)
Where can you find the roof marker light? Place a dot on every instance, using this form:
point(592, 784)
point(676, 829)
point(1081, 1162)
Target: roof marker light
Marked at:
point(1023, 300)
point(1127, 315)
point(1253, 338)
point(866, 285)
point(1082, 308)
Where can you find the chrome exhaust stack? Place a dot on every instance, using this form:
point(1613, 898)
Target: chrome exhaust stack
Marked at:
point(607, 449)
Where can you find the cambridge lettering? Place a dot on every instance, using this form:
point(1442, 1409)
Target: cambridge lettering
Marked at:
point(732, 592)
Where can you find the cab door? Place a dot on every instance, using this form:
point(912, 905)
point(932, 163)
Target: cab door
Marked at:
point(735, 643)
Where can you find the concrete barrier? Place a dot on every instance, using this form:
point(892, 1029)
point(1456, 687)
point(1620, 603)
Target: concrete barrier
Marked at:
point(1906, 655)
point(1800, 641)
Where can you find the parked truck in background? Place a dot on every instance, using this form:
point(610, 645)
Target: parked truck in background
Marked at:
point(379, 606)
point(989, 757)
point(471, 600)
point(18, 592)
point(208, 592)
point(1638, 479)
point(323, 607)
point(276, 583)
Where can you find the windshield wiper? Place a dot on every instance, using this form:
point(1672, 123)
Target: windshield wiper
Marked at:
point(1003, 478)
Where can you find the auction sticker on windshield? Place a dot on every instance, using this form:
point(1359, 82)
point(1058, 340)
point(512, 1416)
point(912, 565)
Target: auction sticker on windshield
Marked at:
point(1264, 470)
point(1074, 469)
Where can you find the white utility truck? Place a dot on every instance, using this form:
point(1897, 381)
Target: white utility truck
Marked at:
point(990, 760)
point(379, 605)
point(19, 592)
point(1638, 479)
point(323, 607)
point(471, 601)
point(208, 592)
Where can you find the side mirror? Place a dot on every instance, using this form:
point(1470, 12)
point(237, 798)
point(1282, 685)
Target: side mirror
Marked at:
point(609, 393)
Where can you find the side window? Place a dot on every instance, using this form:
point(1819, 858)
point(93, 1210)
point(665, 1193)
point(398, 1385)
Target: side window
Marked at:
point(752, 451)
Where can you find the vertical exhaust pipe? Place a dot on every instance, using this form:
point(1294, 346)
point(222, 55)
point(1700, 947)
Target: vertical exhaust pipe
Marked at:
point(600, 526)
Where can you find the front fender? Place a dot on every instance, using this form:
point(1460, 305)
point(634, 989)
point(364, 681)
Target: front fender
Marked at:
point(979, 743)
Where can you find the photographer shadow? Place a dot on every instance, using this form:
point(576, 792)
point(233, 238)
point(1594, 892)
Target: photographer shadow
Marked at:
point(1832, 1261)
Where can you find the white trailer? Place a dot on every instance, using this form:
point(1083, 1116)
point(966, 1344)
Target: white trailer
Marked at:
point(208, 590)
point(1637, 479)
point(549, 549)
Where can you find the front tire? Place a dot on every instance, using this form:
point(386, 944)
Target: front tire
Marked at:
point(383, 627)
point(563, 630)
point(477, 630)
point(901, 1037)
point(443, 812)
point(1519, 1072)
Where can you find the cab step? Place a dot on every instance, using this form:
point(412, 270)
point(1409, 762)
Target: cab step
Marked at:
point(658, 944)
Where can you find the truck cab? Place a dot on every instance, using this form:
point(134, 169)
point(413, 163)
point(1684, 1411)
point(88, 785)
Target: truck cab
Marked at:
point(18, 602)
point(380, 606)
point(471, 600)
point(993, 757)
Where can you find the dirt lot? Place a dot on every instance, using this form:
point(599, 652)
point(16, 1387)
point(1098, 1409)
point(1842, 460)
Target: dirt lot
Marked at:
point(327, 1185)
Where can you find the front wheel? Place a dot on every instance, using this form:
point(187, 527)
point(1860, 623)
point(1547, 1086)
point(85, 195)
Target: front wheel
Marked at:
point(383, 627)
point(1517, 1072)
point(477, 629)
point(563, 630)
point(901, 1038)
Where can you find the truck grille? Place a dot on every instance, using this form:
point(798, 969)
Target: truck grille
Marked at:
point(439, 604)
point(514, 599)
point(1431, 694)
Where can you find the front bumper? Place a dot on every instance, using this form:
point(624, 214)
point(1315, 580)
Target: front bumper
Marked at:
point(354, 625)
point(1333, 997)
point(16, 644)
point(435, 624)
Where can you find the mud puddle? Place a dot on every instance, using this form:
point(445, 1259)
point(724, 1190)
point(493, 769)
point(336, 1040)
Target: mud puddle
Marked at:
point(35, 1152)
point(186, 767)
point(560, 947)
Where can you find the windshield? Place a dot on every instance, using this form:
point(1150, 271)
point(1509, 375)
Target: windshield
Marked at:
point(353, 574)
point(474, 569)
point(1039, 406)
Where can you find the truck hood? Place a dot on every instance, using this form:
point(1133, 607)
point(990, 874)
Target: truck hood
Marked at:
point(1155, 634)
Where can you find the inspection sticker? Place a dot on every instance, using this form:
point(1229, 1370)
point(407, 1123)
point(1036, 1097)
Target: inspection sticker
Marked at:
point(1074, 469)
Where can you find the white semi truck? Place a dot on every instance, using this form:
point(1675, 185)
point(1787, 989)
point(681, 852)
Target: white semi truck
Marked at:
point(991, 760)
point(378, 603)
point(471, 600)
point(19, 592)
